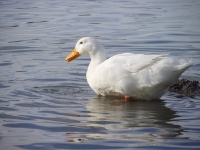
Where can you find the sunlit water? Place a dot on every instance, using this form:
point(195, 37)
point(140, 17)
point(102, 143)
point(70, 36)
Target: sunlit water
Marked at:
point(46, 103)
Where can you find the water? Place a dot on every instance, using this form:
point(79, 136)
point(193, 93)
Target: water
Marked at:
point(46, 103)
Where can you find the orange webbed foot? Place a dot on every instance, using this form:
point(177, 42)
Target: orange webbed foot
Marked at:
point(127, 99)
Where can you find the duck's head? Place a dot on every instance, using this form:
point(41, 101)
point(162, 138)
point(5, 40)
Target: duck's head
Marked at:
point(86, 45)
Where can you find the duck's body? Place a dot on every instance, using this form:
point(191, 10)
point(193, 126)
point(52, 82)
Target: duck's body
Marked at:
point(131, 75)
point(139, 76)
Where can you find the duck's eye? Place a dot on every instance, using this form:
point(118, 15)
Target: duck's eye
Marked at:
point(81, 42)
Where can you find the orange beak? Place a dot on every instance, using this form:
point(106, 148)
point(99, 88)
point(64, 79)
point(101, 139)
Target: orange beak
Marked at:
point(73, 55)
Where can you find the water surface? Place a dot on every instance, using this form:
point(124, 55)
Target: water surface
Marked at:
point(46, 103)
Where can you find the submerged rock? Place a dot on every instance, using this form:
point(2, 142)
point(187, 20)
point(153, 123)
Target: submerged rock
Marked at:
point(185, 87)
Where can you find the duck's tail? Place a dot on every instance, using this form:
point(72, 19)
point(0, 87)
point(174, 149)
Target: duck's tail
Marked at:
point(183, 66)
point(170, 73)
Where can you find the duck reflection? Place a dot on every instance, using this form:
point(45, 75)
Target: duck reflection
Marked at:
point(136, 120)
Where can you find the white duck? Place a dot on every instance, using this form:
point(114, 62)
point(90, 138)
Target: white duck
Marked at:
point(136, 76)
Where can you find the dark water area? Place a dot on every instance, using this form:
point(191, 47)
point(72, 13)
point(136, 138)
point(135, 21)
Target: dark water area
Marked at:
point(46, 103)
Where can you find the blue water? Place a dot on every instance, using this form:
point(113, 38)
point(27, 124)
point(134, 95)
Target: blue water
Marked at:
point(46, 103)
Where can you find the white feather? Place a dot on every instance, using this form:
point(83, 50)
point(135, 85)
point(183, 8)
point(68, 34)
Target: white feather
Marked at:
point(133, 75)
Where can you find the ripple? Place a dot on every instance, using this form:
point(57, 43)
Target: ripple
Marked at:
point(9, 26)
point(63, 90)
point(67, 146)
point(36, 22)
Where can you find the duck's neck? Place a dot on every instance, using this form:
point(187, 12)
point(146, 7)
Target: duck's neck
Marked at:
point(96, 60)
point(98, 57)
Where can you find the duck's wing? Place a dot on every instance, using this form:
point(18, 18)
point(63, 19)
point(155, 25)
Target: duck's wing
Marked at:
point(125, 65)
point(135, 62)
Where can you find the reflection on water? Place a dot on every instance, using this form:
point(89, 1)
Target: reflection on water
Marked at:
point(136, 120)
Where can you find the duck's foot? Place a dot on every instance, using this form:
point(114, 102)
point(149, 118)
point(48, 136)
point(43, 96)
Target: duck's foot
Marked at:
point(127, 99)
